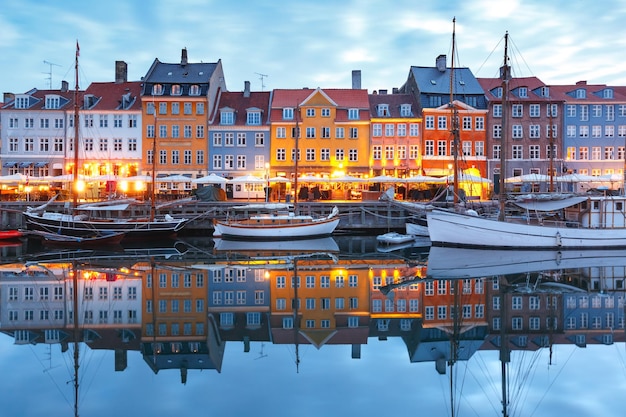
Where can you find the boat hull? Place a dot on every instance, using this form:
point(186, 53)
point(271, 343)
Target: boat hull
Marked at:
point(448, 228)
point(279, 230)
point(10, 234)
point(65, 224)
point(416, 229)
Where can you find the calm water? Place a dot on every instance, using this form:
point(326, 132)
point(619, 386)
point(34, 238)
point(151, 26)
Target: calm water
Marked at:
point(213, 328)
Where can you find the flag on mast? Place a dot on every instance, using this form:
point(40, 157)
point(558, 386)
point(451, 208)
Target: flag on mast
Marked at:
point(77, 49)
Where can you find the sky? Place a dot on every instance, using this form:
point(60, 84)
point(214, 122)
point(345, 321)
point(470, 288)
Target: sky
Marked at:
point(310, 43)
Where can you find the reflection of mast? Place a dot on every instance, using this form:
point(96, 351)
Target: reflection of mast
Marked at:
point(295, 312)
point(505, 355)
point(76, 337)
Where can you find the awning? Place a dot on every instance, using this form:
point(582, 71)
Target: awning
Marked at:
point(437, 172)
point(539, 204)
point(9, 164)
point(25, 164)
point(40, 164)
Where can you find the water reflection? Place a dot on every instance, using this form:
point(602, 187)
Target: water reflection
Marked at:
point(179, 305)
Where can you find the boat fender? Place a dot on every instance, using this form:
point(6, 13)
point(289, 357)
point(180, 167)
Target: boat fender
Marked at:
point(471, 212)
point(169, 218)
point(558, 239)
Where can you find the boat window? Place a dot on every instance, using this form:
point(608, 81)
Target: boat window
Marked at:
point(619, 206)
point(596, 205)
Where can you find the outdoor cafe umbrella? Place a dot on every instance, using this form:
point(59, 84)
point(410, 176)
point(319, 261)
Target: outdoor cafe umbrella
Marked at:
point(247, 179)
point(174, 178)
point(385, 179)
point(13, 178)
point(210, 179)
point(528, 178)
point(425, 179)
point(347, 178)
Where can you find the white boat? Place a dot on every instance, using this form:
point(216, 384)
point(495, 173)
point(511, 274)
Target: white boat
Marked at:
point(394, 238)
point(276, 225)
point(587, 222)
point(417, 227)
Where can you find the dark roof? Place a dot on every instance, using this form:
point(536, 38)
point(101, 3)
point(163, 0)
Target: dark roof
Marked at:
point(240, 104)
point(394, 101)
point(38, 99)
point(183, 74)
point(432, 81)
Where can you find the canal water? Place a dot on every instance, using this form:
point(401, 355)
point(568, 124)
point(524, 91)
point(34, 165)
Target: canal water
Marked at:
point(336, 326)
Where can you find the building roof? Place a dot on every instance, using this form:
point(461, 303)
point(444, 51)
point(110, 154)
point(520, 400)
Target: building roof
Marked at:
point(38, 99)
point(594, 92)
point(342, 97)
point(394, 101)
point(533, 84)
point(115, 96)
point(240, 103)
point(432, 81)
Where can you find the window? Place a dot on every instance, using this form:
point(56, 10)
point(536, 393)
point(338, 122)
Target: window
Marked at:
point(254, 118)
point(377, 130)
point(310, 112)
point(442, 123)
point(288, 113)
point(227, 117)
point(497, 110)
point(534, 110)
point(517, 110)
point(353, 114)
point(157, 89)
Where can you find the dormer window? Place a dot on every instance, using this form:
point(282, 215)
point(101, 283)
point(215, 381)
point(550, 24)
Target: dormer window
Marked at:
point(254, 117)
point(288, 113)
point(522, 92)
point(21, 102)
point(157, 89)
point(581, 93)
point(545, 91)
point(353, 114)
point(608, 93)
point(90, 101)
point(227, 117)
point(405, 110)
point(194, 90)
point(176, 90)
point(383, 110)
point(497, 92)
point(53, 102)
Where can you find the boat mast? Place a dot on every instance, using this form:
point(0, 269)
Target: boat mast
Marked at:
point(295, 165)
point(154, 156)
point(76, 108)
point(454, 128)
point(551, 141)
point(505, 76)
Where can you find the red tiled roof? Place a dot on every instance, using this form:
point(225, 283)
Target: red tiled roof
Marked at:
point(110, 94)
point(239, 103)
point(344, 97)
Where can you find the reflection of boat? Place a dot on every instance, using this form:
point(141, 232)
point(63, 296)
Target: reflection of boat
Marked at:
point(276, 225)
point(448, 262)
point(88, 241)
point(281, 247)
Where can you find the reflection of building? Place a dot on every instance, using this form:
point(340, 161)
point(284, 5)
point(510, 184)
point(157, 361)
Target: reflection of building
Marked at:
point(318, 303)
point(177, 333)
point(239, 302)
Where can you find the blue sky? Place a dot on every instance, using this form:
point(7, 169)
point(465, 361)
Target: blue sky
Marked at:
point(302, 43)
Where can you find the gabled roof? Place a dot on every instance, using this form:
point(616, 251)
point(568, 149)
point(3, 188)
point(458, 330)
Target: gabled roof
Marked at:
point(182, 73)
point(533, 84)
point(567, 92)
point(240, 104)
point(432, 81)
point(111, 95)
point(343, 98)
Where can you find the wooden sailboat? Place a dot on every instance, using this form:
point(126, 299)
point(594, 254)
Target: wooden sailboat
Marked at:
point(90, 220)
point(275, 221)
point(593, 221)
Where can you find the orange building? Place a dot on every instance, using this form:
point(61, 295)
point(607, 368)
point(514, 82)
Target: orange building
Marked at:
point(177, 101)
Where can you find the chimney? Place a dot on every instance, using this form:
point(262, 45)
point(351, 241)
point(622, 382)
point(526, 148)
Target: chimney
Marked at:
point(395, 90)
point(64, 86)
point(356, 79)
point(183, 57)
point(121, 72)
point(441, 63)
point(381, 91)
point(246, 88)
point(581, 83)
point(8, 97)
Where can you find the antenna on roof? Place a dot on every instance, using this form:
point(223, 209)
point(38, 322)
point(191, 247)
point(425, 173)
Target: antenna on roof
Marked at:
point(49, 78)
point(262, 77)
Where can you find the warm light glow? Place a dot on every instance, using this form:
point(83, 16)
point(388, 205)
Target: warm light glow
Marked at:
point(123, 186)
point(80, 186)
point(267, 274)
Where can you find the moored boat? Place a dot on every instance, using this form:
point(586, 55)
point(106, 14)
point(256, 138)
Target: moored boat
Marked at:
point(277, 225)
point(96, 240)
point(10, 234)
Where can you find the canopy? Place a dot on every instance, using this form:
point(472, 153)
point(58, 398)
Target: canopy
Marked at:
point(210, 179)
point(144, 178)
point(311, 178)
point(385, 178)
point(469, 178)
point(547, 204)
point(347, 178)
point(576, 178)
point(279, 179)
point(68, 178)
point(13, 178)
point(106, 177)
point(529, 178)
point(249, 179)
point(174, 178)
point(425, 179)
